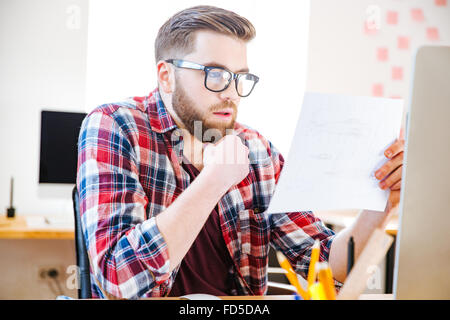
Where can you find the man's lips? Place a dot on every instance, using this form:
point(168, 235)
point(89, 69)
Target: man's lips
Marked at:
point(224, 113)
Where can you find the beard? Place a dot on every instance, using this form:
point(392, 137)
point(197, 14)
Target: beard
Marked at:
point(191, 116)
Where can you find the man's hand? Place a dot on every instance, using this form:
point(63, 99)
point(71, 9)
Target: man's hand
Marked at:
point(225, 164)
point(228, 159)
point(390, 174)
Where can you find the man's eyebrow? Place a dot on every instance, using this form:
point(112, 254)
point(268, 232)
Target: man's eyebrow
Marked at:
point(216, 64)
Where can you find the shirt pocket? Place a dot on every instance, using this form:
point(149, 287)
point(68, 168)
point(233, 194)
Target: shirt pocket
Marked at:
point(254, 233)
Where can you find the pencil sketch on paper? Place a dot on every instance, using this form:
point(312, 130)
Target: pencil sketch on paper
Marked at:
point(338, 144)
point(344, 133)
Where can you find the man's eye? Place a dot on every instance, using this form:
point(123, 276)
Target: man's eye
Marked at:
point(216, 74)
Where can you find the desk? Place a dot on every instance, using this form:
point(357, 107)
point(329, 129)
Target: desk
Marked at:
point(34, 227)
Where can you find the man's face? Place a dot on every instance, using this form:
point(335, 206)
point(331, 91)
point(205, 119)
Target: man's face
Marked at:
point(192, 101)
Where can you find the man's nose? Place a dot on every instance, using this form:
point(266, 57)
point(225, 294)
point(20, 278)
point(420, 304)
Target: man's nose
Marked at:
point(230, 93)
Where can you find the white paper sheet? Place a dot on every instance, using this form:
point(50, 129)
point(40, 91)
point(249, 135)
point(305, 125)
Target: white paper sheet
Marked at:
point(338, 145)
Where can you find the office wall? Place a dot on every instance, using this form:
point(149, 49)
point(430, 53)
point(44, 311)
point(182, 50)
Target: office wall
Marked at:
point(43, 66)
point(367, 47)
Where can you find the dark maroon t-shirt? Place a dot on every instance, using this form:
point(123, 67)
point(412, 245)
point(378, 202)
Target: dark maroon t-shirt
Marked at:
point(205, 268)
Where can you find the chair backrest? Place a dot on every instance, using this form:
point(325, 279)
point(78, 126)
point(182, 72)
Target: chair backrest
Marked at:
point(84, 290)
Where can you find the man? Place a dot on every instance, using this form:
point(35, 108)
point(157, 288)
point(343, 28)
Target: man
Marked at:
point(165, 209)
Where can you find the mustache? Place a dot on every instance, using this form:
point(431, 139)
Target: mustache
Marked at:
point(221, 106)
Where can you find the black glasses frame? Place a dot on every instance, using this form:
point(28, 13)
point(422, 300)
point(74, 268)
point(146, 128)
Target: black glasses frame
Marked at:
point(234, 76)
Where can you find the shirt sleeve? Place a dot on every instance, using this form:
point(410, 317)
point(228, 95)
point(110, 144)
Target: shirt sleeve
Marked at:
point(294, 233)
point(128, 254)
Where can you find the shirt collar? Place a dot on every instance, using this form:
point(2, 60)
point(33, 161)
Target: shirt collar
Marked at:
point(160, 119)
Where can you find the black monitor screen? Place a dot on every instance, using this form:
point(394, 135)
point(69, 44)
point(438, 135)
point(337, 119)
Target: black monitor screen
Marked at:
point(59, 137)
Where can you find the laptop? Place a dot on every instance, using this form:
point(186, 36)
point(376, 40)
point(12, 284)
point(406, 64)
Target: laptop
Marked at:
point(422, 261)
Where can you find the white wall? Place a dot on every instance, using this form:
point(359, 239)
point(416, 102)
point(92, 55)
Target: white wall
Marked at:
point(121, 56)
point(43, 66)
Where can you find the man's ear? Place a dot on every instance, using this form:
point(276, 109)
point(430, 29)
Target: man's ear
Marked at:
point(166, 76)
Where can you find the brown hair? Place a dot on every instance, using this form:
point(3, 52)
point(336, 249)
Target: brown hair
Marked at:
point(177, 35)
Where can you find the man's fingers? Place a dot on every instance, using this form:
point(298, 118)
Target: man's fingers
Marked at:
point(395, 148)
point(207, 147)
point(229, 150)
point(389, 166)
point(397, 186)
point(391, 180)
point(394, 199)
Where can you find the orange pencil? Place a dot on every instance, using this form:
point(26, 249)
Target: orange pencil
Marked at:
point(326, 278)
point(291, 275)
point(317, 291)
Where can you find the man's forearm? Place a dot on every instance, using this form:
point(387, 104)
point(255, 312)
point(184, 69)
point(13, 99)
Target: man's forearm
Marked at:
point(361, 229)
point(182, 221)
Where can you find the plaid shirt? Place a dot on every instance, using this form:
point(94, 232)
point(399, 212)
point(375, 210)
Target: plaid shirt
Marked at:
point(129, 170)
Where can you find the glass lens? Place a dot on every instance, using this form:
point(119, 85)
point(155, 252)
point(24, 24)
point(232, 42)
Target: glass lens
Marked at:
point(245, 84)
point(217, 79)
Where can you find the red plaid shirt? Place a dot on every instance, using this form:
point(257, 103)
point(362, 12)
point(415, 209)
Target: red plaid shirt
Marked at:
point(129, 170)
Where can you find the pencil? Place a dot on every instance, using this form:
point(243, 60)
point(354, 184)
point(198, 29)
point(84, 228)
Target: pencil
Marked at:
point(326, 278)
point(317, 291)
point(291, 275)
point(312, 264)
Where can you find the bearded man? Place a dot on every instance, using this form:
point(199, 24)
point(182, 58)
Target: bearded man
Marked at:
point(173, 191)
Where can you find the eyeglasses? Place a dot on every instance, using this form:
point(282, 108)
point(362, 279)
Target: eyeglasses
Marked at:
point(217, 79)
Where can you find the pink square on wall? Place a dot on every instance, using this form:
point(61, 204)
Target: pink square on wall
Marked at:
point(397, 73)
point(403, 42)
point(392, 17)
point(382, 54)
point(369, 28)
point(440, 2)
point(432, 34)
point(377, 90)
point(417, 15)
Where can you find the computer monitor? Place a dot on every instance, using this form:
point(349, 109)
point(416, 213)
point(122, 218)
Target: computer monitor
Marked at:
point(58, 155)
point(422, 262)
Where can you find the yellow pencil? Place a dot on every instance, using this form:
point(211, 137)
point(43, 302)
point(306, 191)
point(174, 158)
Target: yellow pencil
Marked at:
point(290, 274)
point(317, 292)
point(326, 278)
point(312, 264)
